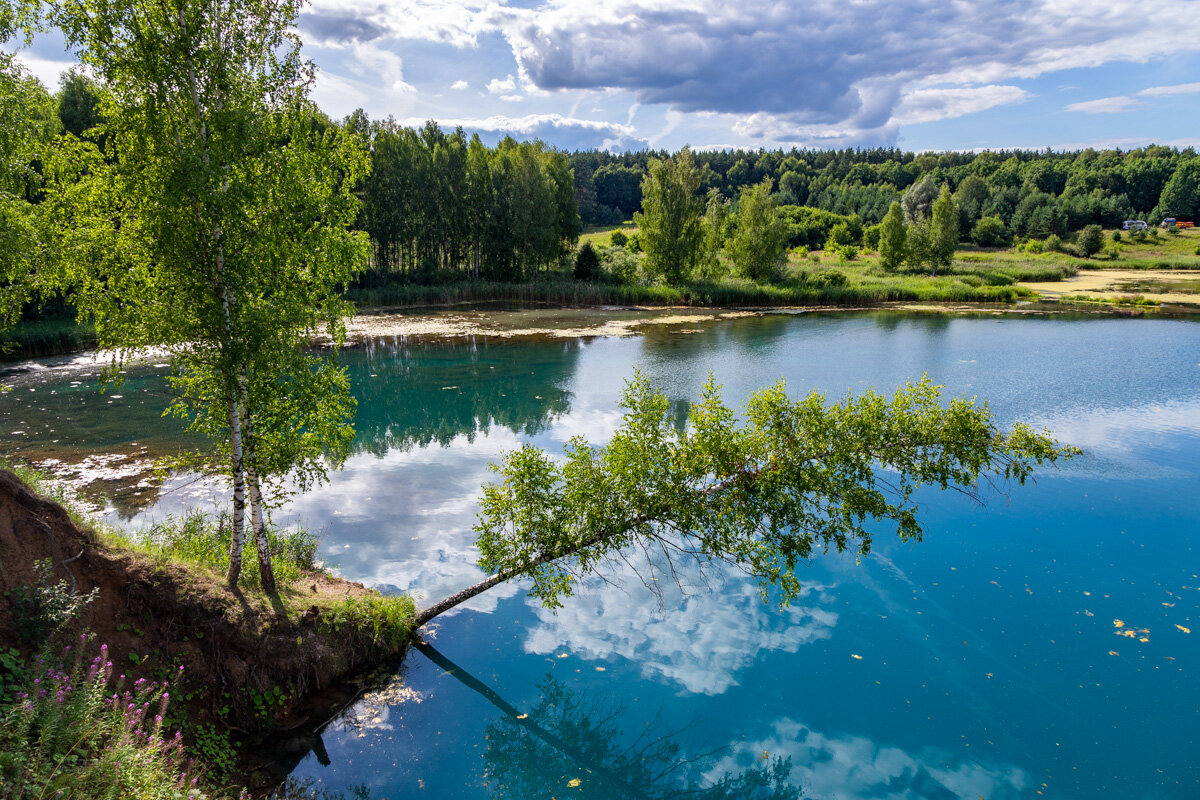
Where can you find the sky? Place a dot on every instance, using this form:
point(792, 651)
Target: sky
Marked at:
point(631, 74)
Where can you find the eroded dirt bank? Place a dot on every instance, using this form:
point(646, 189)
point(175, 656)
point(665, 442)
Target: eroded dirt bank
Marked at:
point(235, 648)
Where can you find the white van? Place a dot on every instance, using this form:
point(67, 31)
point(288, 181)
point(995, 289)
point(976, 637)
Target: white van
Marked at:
point(1135, 225)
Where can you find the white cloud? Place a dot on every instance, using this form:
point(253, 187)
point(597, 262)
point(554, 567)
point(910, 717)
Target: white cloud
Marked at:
point(421, 541)
point(1122, 103)
point(46, 70)
point(460, 84)
point(832, 767)
point(506, 86)
point(700, 645)
point(1166, 91)
point(374, 60)
point(821, 73)
point(455, 22)
point(928, 105)
point(512, 98)
point(566, 132)
point(1104, 105)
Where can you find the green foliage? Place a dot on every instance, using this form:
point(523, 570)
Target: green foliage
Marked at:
point(943, 228)
point(383, 622)
point(75, 732)
point(618, 238)
point(1053, 244)
point(917, 202)
point(587, 263)
point(204, 539)
point(716, 223)
point(441, 206)
point(213, 747)
point(1181, 195)
point(669, 227)
point(44, 611)
point(215, 226)
point(797, 478)
point(78, 103)
point(27, 125)
point(1090, 241)
point(893, 239)
point(838, 236)
point(758, 247)
point(871, 236)
point(621, 266)
point(991, 232)
point(810, 227)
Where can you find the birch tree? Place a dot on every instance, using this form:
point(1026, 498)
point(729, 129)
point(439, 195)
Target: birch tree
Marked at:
point(215, 224)
point(797, 478)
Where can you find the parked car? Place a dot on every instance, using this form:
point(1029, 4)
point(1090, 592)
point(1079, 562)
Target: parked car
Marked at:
point(1168, 223)
point(1135, 225)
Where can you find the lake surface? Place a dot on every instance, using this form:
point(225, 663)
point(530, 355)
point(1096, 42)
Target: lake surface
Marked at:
point(993, 659)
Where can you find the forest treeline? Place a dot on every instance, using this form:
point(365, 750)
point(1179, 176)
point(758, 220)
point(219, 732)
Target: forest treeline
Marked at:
point(442, 206)
point(1035, 193)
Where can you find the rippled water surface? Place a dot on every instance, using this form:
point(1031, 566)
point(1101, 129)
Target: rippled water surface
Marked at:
point(993, 659)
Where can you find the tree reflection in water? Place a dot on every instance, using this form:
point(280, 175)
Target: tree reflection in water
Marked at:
point(571, 743)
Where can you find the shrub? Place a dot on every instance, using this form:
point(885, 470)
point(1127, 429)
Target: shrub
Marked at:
point(991, 232)
point(1116, 236)
point(1053, 243)
point(1033, 246)
point(587, 263)
point(621, 265)
point(618, 238)
point(1090, 240)
point(634, 244)
point(871, 237)
point(44, 610)
point(846, 252)
point(74, 732)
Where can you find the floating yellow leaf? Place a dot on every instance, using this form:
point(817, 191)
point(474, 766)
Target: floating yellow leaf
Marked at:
point(522, 716)
point(1118, 623)
point(1185, 630)
point(1113, 653)
point(601, 669)
point(1087, 594)
point(574, 782)
point(856, 656)
point(1088, 613)
point(1143, 639)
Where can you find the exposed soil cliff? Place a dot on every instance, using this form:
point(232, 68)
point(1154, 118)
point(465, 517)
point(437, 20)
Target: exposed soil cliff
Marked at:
point(236, 649)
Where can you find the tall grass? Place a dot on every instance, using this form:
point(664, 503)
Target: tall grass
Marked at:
point(729, 293)
point(205, 539)
point(45, 337)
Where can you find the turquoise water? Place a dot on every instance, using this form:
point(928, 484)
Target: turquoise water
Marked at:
point(984, 661)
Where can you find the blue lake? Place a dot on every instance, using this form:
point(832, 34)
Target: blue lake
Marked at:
point(991, 660)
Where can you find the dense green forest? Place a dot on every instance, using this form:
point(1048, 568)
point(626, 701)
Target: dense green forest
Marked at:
point(1036, 193)
point(443, 207)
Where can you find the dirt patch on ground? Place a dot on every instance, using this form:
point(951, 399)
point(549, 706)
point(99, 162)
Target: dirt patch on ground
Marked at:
point(157, 616)
point(1162, 285)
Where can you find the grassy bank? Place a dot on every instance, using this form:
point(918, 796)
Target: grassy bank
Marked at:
point(46, 337)
point(240, 665)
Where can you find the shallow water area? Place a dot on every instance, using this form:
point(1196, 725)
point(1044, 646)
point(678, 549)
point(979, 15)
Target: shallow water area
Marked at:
point(984, 661)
